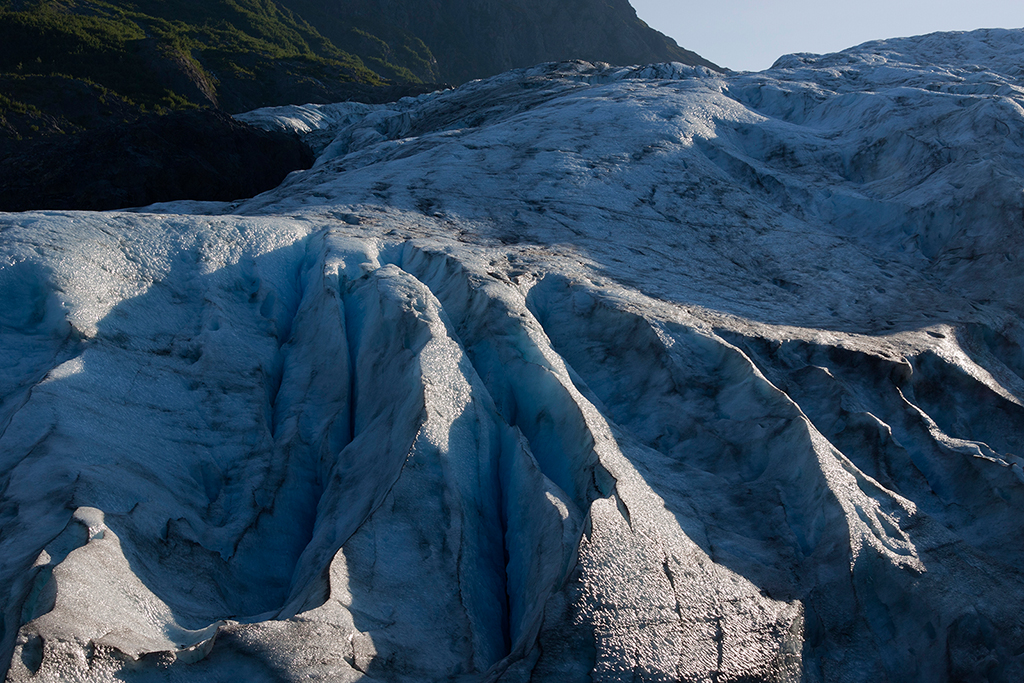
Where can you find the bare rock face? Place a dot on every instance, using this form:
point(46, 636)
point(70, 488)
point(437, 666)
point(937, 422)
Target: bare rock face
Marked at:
point(202, 155)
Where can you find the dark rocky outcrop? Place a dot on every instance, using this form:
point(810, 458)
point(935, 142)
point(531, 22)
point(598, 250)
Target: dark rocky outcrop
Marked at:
point(202, 155)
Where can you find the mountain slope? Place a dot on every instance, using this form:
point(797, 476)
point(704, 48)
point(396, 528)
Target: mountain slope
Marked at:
point(68, 65)
point(574, 373)
point(65, 66)
point(473, 39)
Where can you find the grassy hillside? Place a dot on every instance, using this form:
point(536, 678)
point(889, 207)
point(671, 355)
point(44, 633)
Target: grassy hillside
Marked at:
point(68, 64)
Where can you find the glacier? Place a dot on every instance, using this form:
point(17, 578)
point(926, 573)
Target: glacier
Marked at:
point(577, 373)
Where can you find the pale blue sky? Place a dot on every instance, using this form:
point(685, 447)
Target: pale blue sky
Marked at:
point(751, 34)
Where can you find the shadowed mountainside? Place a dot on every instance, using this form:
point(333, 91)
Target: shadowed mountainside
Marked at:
point(202, 155)
point(67, 66)
point(477, 39)
point(73, 64)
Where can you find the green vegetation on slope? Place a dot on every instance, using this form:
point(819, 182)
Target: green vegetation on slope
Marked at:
point(377, 33)
point(66, 64)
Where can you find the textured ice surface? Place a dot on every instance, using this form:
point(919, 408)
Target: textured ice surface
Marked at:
point(579, 373)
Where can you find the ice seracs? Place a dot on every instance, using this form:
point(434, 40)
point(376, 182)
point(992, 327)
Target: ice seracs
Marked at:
point(576, 373)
